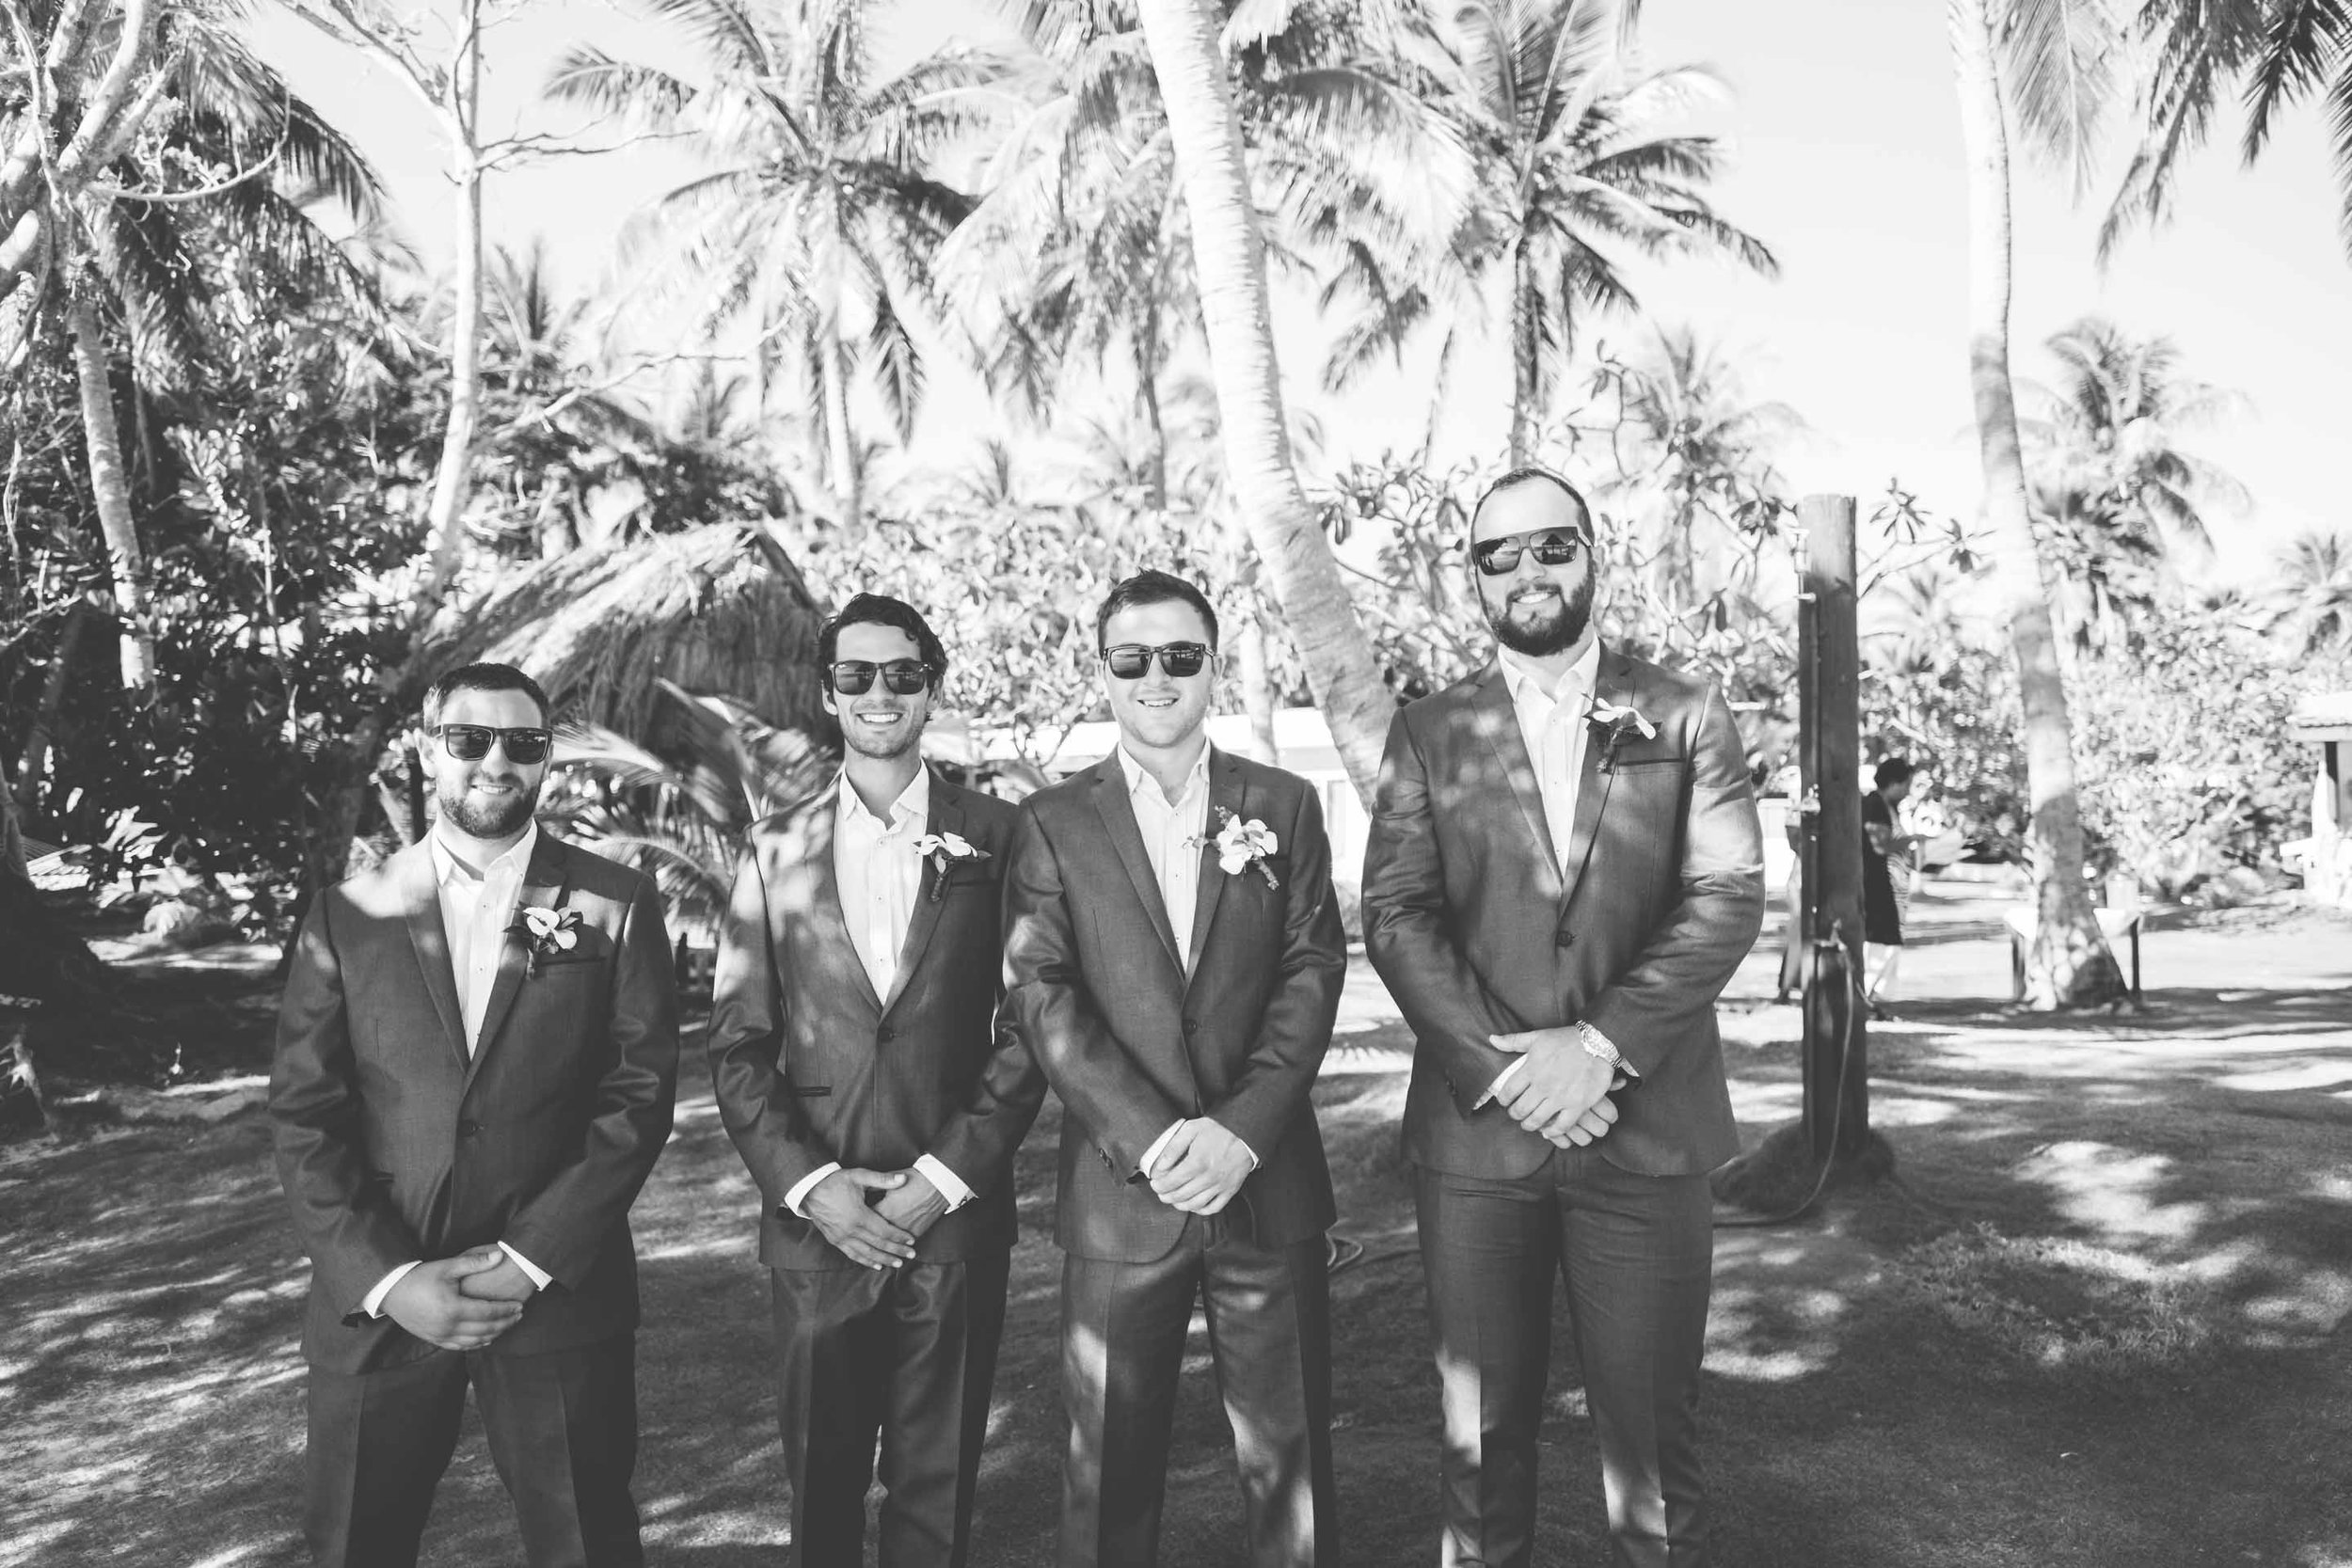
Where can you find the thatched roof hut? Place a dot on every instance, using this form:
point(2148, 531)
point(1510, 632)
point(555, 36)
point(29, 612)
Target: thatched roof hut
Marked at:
point(717, 610)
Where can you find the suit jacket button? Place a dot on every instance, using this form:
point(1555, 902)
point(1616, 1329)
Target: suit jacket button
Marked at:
point(467, 1129)
point(1564, 937)
point(1191, 1024)
point(885, 1031)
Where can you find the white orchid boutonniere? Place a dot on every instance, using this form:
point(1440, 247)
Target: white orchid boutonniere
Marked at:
point(545, 932)
point(1244, 844)
point(947, 850)
point(1612, 722)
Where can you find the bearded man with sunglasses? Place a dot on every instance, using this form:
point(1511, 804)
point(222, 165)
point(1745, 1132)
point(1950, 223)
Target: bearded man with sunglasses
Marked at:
point(477, 1055)
point(1174, 959)
point(1564, 869)
point(859, 1065)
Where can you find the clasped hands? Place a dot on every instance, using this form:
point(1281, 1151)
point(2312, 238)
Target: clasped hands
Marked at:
point(1202, 1167)
point(1562, 1094)
point(878, 1233)
point(461, 1303)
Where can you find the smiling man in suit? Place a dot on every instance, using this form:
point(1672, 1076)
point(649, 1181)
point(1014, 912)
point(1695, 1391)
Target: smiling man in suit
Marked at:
point(859, 1067)
point(1563, 871)
point(477, 1054)
point(1174, 959)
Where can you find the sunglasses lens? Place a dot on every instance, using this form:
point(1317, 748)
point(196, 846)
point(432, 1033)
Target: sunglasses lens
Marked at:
point(1128, 661)
point(1499, 558)
point(466, 743)
point(525, 746)
point(1182, 658)
point(852, 677)
point(1556, 549)
point(905, 676)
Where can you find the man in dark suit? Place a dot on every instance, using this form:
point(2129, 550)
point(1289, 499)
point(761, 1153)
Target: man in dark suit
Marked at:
point(477, 1054)
point(1174, 960)
point(859, 1067)
point(1565, 868)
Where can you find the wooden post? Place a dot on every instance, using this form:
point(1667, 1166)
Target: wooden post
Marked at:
point(1829, 674)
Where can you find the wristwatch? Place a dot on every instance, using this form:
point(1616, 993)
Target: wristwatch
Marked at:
point(1597, 1044)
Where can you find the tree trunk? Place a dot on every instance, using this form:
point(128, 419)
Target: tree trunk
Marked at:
point(112, 488)
point(848, 487)
point(37, 743)
point(1229, 254)
point(1147, 399)
point(1257, 690)
point(2069, 965)
point(453, 482)
point(1526, 363)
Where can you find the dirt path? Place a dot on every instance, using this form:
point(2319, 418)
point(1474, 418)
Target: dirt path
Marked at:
point(2099, 1321)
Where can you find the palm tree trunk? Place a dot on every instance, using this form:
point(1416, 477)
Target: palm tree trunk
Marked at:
point(1526, 371)
point(453, 482)
point(1154, 428)
point(2069, 965)
point(1229, 256)
point(37, 742)
point(112, 488)
point(848, 483)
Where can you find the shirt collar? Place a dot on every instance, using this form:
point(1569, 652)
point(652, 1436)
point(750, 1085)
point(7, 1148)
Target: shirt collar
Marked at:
point(913, 804)
point(447, 864)
point(1138, 776)
point(1520, 675)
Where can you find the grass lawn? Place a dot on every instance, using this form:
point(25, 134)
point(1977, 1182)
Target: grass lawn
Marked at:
point(2096, 1319)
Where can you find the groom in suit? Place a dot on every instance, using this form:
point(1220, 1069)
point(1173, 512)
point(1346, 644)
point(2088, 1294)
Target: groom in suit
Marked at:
point(1564, 869)
point(1174, 960)
point(858, 1064)
point(477, 1053)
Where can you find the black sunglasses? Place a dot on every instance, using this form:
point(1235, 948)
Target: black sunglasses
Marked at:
point(471, 742)
point(901, 677)
point(1131, 662)
point(1553, 546)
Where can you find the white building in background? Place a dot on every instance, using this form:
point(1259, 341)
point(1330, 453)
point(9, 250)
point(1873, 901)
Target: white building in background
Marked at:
point(2325, 856)
point(1305, 742)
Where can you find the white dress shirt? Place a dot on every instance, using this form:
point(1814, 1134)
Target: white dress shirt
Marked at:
point(1555, 726)
point(477, 907)
point(1172, 834)
point(878, 875)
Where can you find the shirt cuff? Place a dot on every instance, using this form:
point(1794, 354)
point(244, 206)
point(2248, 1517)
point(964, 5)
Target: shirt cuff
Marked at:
point(373, 1305)
point(1151, 1155)
point(1501, 1078)
point(950, 1185)
point(539, 1277)
point(806, 1185)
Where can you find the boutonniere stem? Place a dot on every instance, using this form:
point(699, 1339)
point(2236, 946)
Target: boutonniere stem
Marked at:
point(1243, 845)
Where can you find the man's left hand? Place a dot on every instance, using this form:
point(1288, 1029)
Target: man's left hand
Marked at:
point(1201, 1168)
point(503, 1282)
point(913, 1207)
point(1562, 1094)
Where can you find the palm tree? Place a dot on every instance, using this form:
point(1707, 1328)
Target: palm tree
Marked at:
point(128, 236)
point(2044, 49)
point(2314, 592)
point(1229, 256)
point(820, 218)
point(2282, 51)
point(1572, 169)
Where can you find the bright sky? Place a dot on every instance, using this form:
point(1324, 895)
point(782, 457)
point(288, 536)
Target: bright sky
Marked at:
point(1847, 165)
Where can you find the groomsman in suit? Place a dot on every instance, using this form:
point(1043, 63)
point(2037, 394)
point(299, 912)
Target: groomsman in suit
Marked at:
point(1174, 957)
point(858, 1064)
point(477, 1053)
point(1564, 869)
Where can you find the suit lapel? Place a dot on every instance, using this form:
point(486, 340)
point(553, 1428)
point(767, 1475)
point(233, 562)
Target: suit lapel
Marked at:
point(421, 902)
point(831, 920)
point(543, 884)
point(1225, 799)
point(1612, 684)
point(945, 816)
point(1119, 821)
point(1500, 719)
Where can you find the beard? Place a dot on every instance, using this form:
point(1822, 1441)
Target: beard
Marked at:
point(480, 820)
point(1539, 634)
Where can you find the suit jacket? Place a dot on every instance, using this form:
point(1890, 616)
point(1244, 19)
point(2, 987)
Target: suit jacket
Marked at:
point(1097, 988)
point(394, 1145)
point(1472, 925)
point(811, 1066)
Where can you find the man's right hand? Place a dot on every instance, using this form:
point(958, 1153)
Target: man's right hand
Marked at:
point(837, 1208)
point(428, 1304)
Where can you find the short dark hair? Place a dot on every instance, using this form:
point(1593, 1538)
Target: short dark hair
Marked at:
point(1893, 770)
point(481, 677)
point(1153, 587)
point(1532, 473)
point(881, 610)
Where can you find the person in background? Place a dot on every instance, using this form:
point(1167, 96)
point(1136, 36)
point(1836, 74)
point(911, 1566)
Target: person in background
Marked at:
point(1886, 866)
